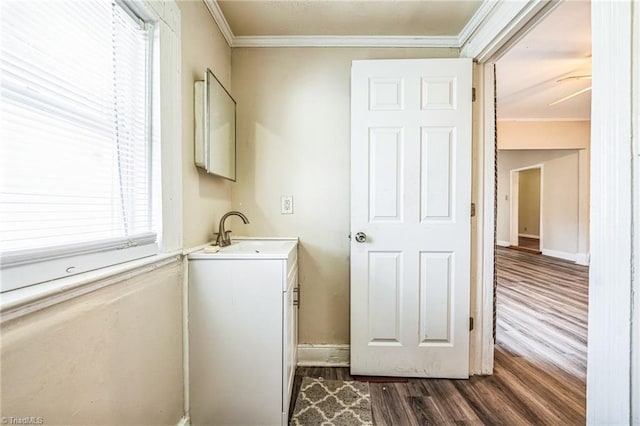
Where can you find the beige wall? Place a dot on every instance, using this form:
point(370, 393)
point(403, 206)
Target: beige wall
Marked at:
point(529, 202)
point(543, 134)
point(113, 356)
point(293, 139)
point(560, 195)
point(205, 197)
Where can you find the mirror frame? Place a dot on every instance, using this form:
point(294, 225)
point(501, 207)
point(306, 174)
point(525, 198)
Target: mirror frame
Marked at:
point(211, 100)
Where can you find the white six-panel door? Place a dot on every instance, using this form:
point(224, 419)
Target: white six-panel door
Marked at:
point(410, 200)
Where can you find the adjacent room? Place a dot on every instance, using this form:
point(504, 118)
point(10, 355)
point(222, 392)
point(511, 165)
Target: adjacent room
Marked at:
point(543, 157)
point(308, 212)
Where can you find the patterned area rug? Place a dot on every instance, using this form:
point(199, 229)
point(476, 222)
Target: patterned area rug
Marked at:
point(332, 403)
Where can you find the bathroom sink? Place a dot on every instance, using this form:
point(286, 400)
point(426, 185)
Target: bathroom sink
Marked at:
point(252, 248)
point(263, 246)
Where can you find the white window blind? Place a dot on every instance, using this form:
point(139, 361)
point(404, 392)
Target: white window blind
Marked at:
point(77, 172)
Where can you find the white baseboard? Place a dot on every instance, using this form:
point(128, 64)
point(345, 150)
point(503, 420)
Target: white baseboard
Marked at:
point(184, 421)
point(503, 243)
point(323, 355)
point(559, 254)
point(537, 237)
point(582, 259)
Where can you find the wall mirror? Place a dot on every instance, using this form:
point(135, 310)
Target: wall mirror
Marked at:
point(215, 128)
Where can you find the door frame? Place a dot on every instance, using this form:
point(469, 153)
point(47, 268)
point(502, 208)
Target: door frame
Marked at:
point(514, 203)
point(613, 379)
point(502, 29)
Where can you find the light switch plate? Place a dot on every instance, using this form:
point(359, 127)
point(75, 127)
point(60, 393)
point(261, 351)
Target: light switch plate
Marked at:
point(286, 204)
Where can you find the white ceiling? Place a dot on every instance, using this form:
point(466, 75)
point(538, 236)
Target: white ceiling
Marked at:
point(348, 17)
point(558, 47)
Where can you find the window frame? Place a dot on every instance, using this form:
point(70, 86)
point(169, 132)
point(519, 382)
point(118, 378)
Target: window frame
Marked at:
point(162, 22)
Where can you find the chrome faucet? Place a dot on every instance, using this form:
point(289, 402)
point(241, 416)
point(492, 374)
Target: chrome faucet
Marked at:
point(223, 238)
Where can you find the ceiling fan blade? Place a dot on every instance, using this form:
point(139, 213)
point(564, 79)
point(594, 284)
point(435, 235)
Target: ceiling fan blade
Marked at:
point(575, 77)
point(573, 95)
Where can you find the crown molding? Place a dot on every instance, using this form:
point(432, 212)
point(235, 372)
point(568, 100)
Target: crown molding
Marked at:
point(476, 20)
point(345, 41)
point(507, 22)
point(454, 41)
point(221, 21)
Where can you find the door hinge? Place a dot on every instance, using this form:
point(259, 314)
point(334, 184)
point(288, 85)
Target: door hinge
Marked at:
point(473, 209)
point(470, 323)
point(473, 94)
point(296, 298)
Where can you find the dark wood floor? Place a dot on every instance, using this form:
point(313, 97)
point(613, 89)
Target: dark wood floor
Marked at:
point(540, 358)
point(529, 243)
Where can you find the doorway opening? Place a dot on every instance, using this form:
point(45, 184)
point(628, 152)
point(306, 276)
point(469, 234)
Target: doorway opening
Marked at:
point(543, 113)
point(526, 213)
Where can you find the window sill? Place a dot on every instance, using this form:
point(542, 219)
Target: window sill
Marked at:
point(23, 301)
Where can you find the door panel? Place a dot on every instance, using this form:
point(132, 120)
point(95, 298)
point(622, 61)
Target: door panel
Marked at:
point(435, 297)
point(439, 93)
point(437, 148)
point(411, 196)
point(385, 150)
point(386, 94)
point(384, 297)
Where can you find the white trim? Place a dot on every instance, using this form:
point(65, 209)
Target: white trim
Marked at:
point(345, 41)
point(26, 300)
point(485, 292)
point(522, 169)
point(635, 319)
point(185, 339)
point(582, 259)
point(171, 130)
point(310, 355)
point(610, 353)
point(184, 421)
point(482, 344)
point(535, 237)
point(559, 254)
point(221, 21)
point(452, 41)
point(186, 380)
point(505, 25)
point(502, 243)
point(476, 21)
point(167, 17)
point(149, 10)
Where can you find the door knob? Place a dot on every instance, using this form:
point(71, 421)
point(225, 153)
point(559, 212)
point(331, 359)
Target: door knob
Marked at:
point(361, 237)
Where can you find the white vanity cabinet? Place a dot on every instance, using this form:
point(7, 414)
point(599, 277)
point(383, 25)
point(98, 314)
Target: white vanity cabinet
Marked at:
point(242, 321)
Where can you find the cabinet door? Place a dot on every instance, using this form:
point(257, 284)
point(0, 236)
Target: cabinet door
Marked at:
point(235, 342)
